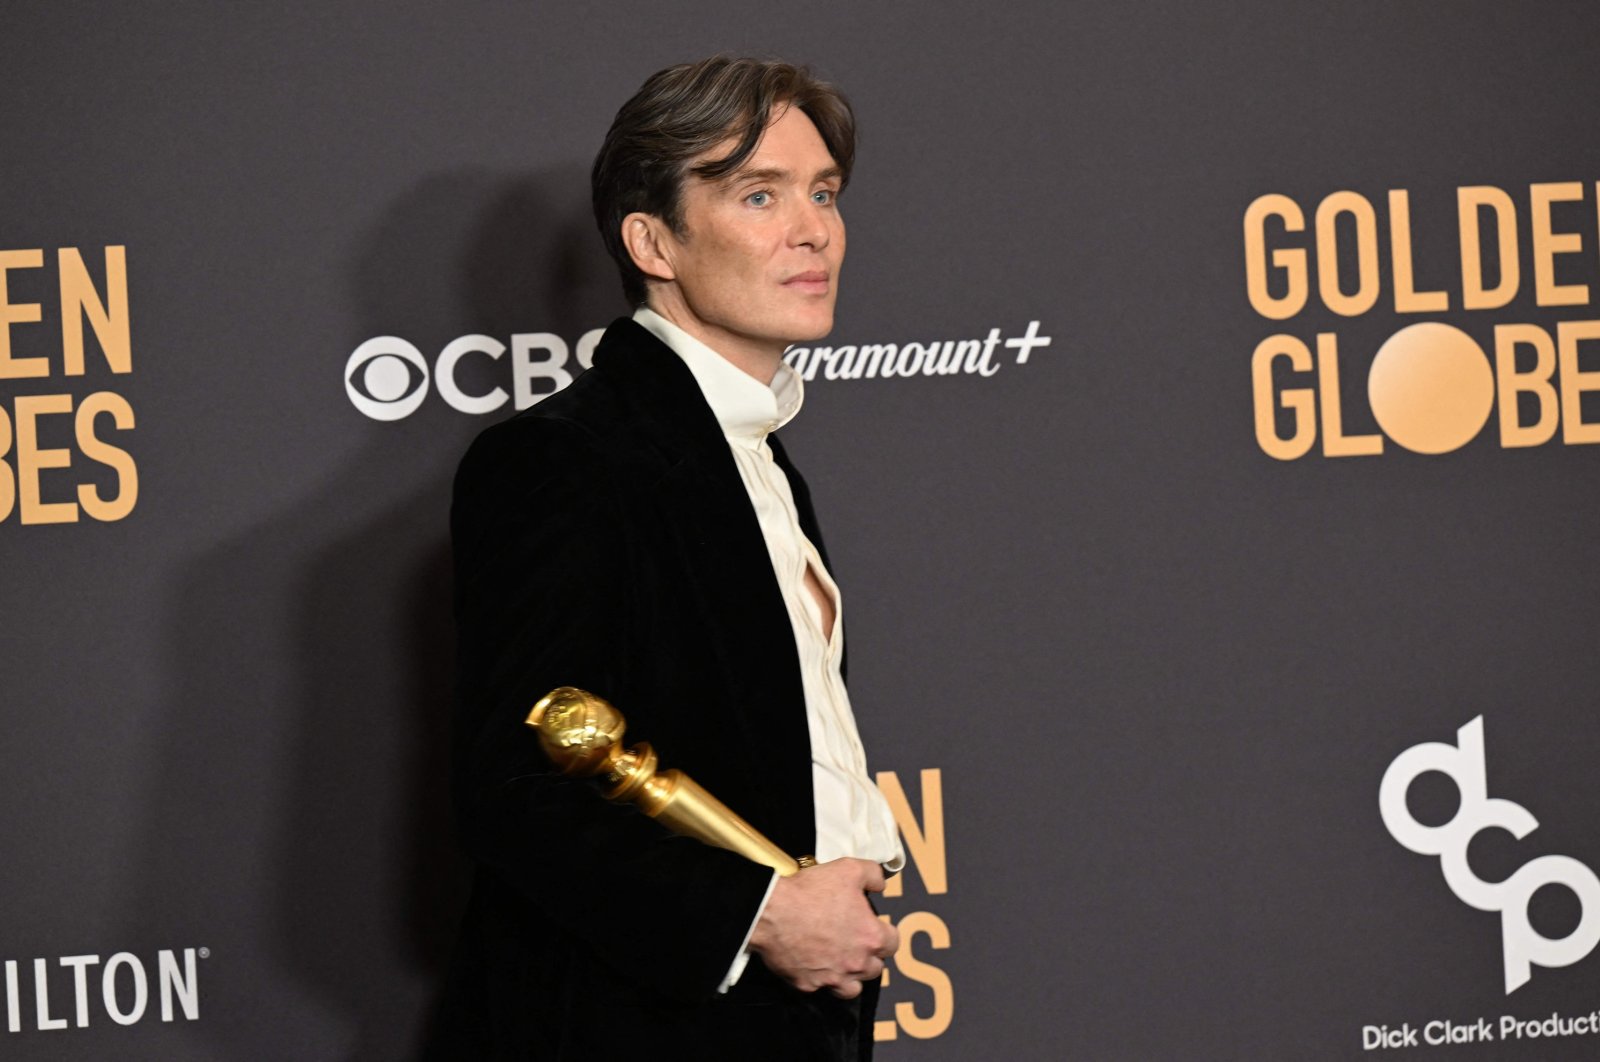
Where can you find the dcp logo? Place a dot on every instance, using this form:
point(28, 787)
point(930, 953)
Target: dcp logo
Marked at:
point(1464, 763)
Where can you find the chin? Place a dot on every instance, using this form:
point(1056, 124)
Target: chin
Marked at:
point(813, 326)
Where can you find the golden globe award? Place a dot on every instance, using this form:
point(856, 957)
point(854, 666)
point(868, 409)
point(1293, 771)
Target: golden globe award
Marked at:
point(582, 734)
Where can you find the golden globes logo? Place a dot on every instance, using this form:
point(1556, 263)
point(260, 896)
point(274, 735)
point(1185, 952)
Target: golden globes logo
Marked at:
point(1432, 387)
point(40, 482)
point(918, 997)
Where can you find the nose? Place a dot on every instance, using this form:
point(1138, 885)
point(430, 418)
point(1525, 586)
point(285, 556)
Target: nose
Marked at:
point(811, 225)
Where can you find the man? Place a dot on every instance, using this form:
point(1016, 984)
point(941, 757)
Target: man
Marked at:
point(642, 536)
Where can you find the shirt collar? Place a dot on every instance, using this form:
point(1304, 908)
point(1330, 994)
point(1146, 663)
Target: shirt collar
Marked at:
point(745, 407)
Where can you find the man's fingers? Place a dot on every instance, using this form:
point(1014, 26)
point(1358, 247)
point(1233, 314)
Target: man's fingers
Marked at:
point(849, 990)
point(818, 930)
point(888, 943)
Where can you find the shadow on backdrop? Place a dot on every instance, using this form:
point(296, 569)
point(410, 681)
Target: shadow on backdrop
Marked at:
point(301, 810)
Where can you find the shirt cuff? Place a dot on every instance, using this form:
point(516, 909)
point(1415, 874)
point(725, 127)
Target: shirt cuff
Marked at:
point(741, 960)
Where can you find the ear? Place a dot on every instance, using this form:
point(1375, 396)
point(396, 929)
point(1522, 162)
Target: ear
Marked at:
point(650, 244)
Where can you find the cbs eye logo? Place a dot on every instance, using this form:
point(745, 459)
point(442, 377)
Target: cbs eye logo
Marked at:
point(386, 378)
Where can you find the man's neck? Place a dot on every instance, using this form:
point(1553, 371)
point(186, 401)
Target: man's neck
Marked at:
point(754, 358)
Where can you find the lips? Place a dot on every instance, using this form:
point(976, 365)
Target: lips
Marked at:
point(815, 280)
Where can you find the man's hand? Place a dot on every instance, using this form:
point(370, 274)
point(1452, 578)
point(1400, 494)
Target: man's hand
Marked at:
point(818, 931)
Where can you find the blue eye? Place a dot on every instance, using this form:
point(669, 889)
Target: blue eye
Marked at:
point(822, 198)
point(759, 198)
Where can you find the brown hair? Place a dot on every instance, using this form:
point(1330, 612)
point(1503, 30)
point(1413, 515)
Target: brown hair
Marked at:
point(686, 110)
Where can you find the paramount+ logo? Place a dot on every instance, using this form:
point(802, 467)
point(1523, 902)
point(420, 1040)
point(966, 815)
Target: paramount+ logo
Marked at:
point(1464, 764)
point(1431, 386)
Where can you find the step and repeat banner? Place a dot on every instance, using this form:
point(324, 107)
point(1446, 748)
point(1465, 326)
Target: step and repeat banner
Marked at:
point(1206, 447)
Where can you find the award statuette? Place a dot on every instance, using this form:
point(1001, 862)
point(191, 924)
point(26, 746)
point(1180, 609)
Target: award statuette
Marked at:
point(582, 734)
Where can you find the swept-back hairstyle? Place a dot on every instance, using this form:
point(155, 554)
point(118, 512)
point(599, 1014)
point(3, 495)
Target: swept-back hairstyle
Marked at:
point(686, 110)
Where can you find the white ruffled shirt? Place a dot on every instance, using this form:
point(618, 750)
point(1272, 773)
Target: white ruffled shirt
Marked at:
point(853, 818)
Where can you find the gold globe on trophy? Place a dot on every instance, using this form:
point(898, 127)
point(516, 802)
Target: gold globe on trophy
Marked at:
point(582, 734)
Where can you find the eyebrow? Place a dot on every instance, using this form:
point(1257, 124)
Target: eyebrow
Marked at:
point(740, 176)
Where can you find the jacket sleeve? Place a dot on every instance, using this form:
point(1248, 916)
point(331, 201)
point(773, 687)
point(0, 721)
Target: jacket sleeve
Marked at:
point(539, 533)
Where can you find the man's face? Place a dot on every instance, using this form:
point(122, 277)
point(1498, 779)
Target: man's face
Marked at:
point(757, 267)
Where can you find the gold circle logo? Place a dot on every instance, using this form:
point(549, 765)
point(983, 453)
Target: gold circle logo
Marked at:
point(1431, 388)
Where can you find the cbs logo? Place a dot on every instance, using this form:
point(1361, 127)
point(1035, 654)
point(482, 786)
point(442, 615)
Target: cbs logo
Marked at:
point(387, 378)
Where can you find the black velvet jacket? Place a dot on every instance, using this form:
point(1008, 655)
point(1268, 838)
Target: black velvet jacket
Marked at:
point(603, 539)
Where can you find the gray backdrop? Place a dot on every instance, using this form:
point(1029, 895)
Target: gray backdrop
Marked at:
point(1160, 673)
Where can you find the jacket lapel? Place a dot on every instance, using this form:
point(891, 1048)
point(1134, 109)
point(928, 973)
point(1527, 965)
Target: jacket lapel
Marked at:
point(719, 540)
